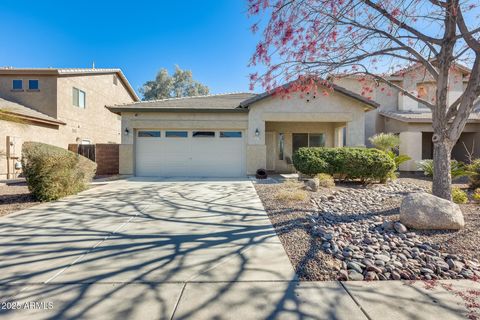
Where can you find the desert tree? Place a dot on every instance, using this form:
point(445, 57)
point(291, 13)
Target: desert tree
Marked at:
point(180, 84)
point(305, 42)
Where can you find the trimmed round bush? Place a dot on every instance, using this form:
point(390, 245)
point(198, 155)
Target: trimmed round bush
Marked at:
point(52, 172)
point(346, 162)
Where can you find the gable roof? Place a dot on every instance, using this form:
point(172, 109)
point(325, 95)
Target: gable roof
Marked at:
point(464, 69)
point(72, 72)
point(335, 87)
point(23, 112)
point(225, 102)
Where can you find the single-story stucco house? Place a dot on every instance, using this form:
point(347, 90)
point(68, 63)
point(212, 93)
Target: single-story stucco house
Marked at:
point(232, 135)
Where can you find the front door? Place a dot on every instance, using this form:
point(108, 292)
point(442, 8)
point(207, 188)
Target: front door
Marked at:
point(271, 150)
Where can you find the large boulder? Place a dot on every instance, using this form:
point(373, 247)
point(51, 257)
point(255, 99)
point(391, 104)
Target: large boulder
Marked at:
point(426, 211)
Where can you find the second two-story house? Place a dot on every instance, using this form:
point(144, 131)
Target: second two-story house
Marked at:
point(58, 107)
point(411, 120)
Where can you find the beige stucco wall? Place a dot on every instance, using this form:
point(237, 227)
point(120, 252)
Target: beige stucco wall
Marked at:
point(24, 132)
point(164, 120)
point(390, 99)
point(321, 114)
point(43, 100)
point(411, 145)
point(126, 158)
point(95, 122)
point(55, 98)
point(385, 96)
point(334, 107)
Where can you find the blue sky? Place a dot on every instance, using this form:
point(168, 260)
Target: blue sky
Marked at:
point(211, 38)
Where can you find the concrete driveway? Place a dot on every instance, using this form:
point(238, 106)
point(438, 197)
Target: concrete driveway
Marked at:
point(131, 249)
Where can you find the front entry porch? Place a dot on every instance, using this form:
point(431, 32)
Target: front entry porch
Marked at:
point(418, 145)
point(282, 139)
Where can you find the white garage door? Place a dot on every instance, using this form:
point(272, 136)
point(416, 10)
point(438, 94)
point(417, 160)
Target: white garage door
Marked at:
point(190, 153)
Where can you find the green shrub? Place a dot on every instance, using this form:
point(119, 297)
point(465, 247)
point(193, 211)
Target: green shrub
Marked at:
point(474, 169)
point(389, 143)
point(52, 172)
point(459, 196)
point(385, 141)
point(325, 180)
point(426, 166)
point(457, 168)
point(398, 159)
point(476, 195)
point(346, 163)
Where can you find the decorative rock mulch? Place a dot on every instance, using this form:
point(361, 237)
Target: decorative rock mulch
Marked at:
point(351, 224)
point(364, 200)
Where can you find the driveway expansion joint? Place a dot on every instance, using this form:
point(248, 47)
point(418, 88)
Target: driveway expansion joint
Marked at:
point(355, 300)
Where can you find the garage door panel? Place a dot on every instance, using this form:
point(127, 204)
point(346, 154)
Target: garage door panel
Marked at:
point(192, 156)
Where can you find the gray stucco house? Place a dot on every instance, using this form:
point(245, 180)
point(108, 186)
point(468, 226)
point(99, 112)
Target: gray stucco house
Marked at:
point(231, 135)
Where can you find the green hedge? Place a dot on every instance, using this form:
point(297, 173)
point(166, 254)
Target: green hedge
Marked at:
point(52, 172)
point(345, 163)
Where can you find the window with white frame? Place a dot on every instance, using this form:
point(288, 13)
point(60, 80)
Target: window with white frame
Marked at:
point(79, 98)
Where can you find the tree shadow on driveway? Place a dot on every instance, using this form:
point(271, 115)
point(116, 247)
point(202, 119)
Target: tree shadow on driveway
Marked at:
point(131, 249)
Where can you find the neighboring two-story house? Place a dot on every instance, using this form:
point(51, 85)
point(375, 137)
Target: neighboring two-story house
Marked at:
point(408, 118)
point(58, 107)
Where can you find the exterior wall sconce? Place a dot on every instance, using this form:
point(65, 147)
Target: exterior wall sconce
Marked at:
point(127, 132)
point(257, 133)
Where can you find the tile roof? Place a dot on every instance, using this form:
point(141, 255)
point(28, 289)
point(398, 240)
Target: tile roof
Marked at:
point(421, 117)
point(22, 111)
point(216, 102)
point(72, 71)
point(370, 103)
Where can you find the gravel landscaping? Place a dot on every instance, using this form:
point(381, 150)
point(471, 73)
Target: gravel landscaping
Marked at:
point(15, 196)
point(352, 232)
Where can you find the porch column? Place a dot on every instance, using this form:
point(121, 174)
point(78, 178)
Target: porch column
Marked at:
point(410, 145)
point(356, 132)
point(338, 139)
point(256, 148)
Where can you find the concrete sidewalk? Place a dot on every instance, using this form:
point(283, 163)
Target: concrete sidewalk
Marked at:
point(253, 300)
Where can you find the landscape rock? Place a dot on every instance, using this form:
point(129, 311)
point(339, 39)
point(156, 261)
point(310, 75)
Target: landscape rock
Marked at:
point(399, 227)
point(426, 212)
point(369, 245)
point(312, 184)
point(343, 275)
point(355, 276)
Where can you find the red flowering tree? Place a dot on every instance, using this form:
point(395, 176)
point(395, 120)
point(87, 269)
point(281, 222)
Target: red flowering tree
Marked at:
point(315, 39)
